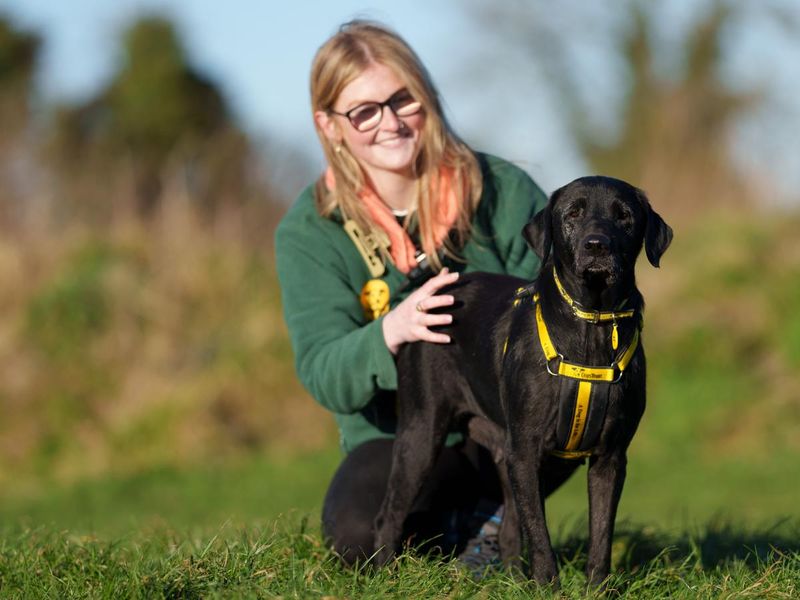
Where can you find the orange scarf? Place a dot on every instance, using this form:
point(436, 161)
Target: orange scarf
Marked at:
point(402, 248)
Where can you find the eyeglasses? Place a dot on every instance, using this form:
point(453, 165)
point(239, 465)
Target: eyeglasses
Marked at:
point(367, 116)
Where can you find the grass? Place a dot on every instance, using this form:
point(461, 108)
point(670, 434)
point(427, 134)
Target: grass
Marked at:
point(251, 529)
point(244, 492)
point(717, 561)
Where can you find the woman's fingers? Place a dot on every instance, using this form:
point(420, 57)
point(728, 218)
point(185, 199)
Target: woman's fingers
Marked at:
point(437, 319)
point(427, 335)
point(435, 302)
point(425, 297)
point(434, 284)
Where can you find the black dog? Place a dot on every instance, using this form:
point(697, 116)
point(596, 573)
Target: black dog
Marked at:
point(541, 373)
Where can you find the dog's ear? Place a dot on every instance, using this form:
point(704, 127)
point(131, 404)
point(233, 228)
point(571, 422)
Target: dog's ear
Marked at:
point(657, 234)
point(538, 233)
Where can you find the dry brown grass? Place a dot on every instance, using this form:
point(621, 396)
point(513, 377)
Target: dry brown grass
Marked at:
point(144, 344)
point(163, 342)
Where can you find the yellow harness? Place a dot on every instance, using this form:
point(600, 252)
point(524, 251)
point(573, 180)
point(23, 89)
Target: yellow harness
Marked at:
point(610, 374)
point(592, 381)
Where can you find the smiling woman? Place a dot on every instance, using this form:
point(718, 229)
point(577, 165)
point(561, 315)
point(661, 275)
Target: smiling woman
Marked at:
point(403, 207)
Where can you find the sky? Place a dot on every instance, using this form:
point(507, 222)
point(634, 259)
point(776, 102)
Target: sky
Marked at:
point(260, 52)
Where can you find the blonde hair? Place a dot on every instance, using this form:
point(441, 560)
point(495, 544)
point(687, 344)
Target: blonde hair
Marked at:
point(356, 46)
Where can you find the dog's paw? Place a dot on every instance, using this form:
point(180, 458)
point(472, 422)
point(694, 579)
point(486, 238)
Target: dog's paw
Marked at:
point(383, 556)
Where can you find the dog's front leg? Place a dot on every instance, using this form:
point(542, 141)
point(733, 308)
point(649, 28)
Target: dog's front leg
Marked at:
point(606, 478)
point(524, 464)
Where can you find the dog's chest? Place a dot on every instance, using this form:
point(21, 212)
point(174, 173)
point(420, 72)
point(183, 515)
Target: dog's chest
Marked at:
point(587, 385)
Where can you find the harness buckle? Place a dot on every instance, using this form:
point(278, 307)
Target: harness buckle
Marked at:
point(547, 364)
point(619, 372)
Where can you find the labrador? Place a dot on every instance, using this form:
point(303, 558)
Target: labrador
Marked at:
point(545, 374)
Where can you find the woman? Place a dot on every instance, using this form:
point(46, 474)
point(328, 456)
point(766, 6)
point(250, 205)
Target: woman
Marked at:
point(402, 209)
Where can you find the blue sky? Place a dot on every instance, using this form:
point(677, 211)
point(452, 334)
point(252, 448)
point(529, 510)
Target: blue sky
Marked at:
point(260, 52)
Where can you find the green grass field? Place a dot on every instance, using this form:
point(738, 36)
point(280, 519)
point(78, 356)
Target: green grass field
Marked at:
point(252, 530)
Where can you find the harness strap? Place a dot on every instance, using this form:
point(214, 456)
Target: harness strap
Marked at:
point(581, 412)
point(576, 455)
point(610, 374)
point(572, 422)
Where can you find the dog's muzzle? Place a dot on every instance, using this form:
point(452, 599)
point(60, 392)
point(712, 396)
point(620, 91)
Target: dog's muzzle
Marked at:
point(596, 245)
point(595, 261)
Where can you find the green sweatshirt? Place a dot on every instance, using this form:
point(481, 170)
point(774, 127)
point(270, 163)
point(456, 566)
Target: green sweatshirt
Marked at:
point(341, 357)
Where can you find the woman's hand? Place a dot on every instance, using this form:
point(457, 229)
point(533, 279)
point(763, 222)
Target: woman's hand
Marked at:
point(409, 321)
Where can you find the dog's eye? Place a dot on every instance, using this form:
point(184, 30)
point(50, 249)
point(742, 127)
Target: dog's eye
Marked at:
point(621, 213)
point(575, 211)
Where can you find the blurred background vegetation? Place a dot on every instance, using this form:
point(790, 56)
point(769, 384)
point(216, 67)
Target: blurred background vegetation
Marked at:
point(141, 319)
point(141, 340)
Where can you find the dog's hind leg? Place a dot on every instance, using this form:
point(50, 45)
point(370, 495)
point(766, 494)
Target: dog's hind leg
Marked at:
point(415, 450)
point(509, 537)
point(606, 479)
point(492, 437)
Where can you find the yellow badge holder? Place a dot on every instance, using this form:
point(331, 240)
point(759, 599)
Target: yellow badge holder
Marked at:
point(375, 293)
point(369, 246)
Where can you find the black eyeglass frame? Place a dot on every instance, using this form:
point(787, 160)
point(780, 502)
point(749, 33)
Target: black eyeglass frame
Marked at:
point(381, 105)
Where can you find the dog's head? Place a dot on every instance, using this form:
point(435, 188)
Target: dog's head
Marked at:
point(596, 227)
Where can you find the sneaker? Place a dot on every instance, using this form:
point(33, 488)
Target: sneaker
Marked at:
point(482, 551)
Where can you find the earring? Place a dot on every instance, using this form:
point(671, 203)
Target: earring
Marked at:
point(338, 149)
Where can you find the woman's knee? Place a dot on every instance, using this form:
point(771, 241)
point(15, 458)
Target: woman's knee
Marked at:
point(349, 535)
point(354, 498)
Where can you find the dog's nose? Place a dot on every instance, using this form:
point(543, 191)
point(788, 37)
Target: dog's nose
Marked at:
point(597, 245)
